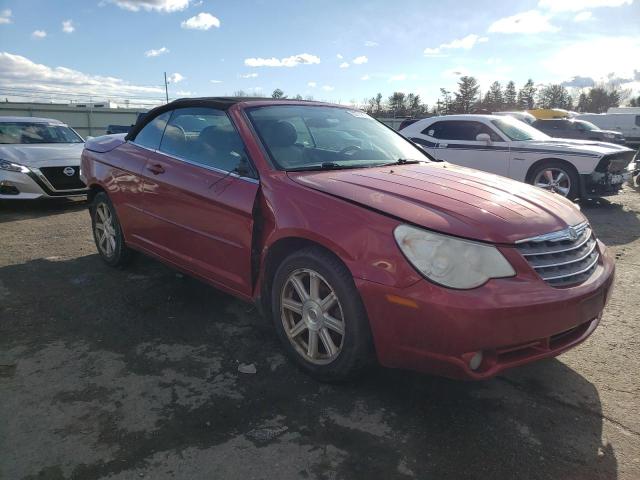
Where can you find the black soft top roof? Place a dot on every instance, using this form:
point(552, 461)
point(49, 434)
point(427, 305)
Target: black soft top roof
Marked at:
point(220, 103)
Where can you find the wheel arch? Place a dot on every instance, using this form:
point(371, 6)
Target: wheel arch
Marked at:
point(94, 189)
point(537, 163)
point(277, 252)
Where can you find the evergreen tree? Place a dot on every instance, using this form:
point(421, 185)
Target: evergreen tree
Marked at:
point(527, 95)
point(467, 94)
point(510, 96)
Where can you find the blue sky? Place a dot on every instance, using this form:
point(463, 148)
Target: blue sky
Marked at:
point(334, 50)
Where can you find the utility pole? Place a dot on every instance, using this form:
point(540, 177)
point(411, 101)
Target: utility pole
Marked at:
point(166, 88)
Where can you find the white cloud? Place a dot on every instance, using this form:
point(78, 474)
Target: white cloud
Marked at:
point(312, 84)
point(370, 43)
point(175, 78)
point(156, 52)
point(152, 5)
point(67, 26)
point(360, 60)
point(39, 34)
point(61, 83)
point(365, 77)
point(184, 93)
point(465, 43)
point(5, 16)
point(327, 88)
point(531, 21)
point(202, 21)
point(215, 81)
point(339, 56)
point(249, 75)
point(583, 16)
point(613, 54)
point(579, 5)
point(398, 78)
point(292, 61)
point(344, 65)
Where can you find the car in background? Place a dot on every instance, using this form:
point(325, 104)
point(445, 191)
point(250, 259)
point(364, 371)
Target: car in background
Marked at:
point(355, 251)
point(579, 129)
point(522, 116)
point(514, 149)
point(39, 158)
point(626, 123)
point(114, 129)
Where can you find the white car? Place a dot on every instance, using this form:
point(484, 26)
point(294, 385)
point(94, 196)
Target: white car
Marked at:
point(506, 146)
point(39, 158)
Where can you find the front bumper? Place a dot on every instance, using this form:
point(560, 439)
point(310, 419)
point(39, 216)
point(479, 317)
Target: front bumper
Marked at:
point(31, 186)
point(511, 321)
point(602, 184)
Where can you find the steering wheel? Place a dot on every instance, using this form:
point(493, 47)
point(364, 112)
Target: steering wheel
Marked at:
point(349, 148)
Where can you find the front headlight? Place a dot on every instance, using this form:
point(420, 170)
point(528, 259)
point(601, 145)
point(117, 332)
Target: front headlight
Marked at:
point(12, 167)
point(609, 135)
point(449, 261)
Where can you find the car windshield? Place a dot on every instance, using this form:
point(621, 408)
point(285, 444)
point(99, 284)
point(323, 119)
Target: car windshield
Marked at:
point(36, 132)
point(584, 125)
point(301, 137)
point(517, 130)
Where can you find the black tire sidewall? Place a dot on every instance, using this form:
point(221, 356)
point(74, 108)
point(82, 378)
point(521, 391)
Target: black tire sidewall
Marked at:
point(356, 349)
point(571, 172)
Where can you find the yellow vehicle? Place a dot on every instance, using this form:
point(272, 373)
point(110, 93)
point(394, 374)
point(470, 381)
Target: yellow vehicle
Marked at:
point(547, 113)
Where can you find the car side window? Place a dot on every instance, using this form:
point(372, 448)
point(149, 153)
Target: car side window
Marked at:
point(460, 130)
point(151, 134)
point(206, 137)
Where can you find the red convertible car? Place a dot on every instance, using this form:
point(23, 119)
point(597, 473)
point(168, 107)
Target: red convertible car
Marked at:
point(352, 239)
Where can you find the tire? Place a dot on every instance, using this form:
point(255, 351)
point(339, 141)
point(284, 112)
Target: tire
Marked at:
point(568, 186)
point(297, 324)
point(111, 248)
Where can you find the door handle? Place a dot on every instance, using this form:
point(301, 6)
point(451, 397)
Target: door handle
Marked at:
point(156, 168)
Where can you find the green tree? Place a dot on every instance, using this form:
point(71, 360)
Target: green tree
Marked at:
point(277, 93)
point(635, 102)
point(583, 103)
point(600, 98)
point(554, 96)
point(444, 102)
point(527, 96)
point(397, 104)
point(510, 96)
point(493, 99)
point(467, 95)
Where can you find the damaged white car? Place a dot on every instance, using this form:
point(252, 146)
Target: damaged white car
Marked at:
point(511, 148)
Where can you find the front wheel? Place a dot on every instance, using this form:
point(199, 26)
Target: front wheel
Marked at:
point(556, 177)
point(107, 232)
point(319, 316)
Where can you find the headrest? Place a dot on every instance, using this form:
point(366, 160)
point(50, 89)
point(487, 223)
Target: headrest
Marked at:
point(281, 134)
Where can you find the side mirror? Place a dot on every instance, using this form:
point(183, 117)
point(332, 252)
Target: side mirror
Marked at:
point(483, 137)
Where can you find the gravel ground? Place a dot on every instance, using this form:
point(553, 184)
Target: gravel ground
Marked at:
point(122, 374)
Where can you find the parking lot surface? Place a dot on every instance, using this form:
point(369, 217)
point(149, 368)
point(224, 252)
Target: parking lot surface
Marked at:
point(123, 374)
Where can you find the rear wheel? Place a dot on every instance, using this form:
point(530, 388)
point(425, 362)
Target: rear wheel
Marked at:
point(556, 177)
point(319, 316)
point(107, 232)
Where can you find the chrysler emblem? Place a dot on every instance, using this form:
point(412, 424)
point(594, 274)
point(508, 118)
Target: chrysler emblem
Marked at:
point(69, 171)
point(573, 235)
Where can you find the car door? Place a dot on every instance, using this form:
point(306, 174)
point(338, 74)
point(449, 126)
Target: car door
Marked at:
point(456, 142)
point(125, 184)
point(199, 195)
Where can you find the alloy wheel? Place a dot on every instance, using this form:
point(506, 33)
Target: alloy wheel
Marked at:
point(553, 179)
point(104, 230)
point(312, 316)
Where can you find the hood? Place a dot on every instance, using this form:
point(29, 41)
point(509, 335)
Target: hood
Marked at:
point(105, 143)
point(43, 154)
point(450, 199)
point(567, 145)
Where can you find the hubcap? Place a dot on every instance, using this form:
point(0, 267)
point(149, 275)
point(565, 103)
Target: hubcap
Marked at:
point(104, 230)
point(555, 180)
point(312, 316)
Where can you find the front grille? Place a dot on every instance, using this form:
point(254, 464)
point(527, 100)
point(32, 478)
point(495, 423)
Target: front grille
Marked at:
point(61, 181)
point(563, 258)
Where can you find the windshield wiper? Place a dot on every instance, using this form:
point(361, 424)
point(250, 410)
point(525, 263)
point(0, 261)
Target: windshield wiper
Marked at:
point(323, 166)
point(401, 161)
